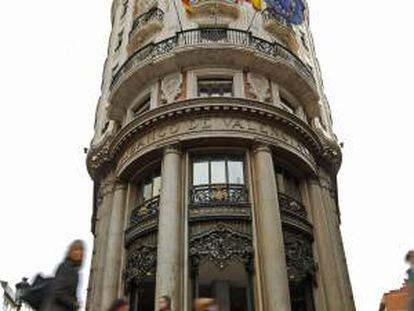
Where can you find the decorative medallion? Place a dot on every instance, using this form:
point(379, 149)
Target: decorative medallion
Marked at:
point(259, 86)
point(171, 86)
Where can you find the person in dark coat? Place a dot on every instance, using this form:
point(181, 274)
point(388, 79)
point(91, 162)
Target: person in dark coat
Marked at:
point(62, 295)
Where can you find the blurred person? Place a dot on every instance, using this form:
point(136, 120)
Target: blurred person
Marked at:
point(409, 258)
point(206, 304)
point(119, 305)
point(62, 294)
point(164, 304)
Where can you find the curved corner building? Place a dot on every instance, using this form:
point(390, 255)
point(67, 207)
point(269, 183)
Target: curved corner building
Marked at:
point(214, 161)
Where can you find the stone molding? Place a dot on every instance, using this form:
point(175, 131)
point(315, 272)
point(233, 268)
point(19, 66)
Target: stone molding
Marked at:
point(101, 157)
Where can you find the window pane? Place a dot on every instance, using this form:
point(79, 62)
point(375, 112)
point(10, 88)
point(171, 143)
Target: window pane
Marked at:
point(218, 172)
point(236, 173)
point(156, 186)
point(147, 191)
point(200, 173)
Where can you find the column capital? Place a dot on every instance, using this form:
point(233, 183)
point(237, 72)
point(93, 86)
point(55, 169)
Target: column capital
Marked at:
point(172, 149)
point(119, 184)
point(261, 147)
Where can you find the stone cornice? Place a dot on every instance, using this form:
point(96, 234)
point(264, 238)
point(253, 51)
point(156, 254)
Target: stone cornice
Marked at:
point(99, 158)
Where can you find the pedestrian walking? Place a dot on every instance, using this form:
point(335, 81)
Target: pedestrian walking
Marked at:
point(409, 258)
point(164, 304)
point(62, 294)
point(206, 304)
point(119, 305)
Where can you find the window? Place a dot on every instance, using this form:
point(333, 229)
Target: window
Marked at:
point(215, 87)
point(291, 185)
point(144, 106)
point(287, 105)
point(218, 170)
point(149, 188)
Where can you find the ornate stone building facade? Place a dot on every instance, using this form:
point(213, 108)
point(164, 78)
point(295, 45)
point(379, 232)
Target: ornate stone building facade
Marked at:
point(214, 161)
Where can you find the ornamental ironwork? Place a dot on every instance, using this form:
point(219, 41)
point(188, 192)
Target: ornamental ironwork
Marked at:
point(154, 14)
point(219, 193)
point(291, 206)
point(216, 36)
point(299, 256)
point(145, 211)
point(221, 246)
point(141, 262)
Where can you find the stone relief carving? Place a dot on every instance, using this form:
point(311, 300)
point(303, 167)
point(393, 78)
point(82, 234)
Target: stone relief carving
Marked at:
point(221, 246)
point(259, 86)
point(171, 86)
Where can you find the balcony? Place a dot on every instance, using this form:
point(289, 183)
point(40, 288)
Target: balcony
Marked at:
point(220, 46)
point(294, 213)
point(218, 194)
point(144, 27)
point(145, 211)
point(278, 27)
point(219, 201)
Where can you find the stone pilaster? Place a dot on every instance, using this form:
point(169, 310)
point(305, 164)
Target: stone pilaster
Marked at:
point(113, 252)
point(339, 253)
point(104, 199)
point(270, 248)
point(325, 248)
point(168, 281)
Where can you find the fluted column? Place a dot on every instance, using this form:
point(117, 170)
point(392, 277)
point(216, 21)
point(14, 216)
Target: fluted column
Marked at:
point(271, 252)
point(112, 267)
point(327, 263)
point(169, 229)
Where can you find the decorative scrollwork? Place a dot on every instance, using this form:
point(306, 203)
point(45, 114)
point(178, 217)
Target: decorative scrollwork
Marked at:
point(221, 246)
point(219, 193)
point(145, 211)
point(299, 256)
point(141, 261)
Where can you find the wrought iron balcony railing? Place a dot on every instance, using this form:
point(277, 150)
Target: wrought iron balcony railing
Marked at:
point(145, 211)
point(289, 205)
point(154, 14)
point(209, 36)
point(219, 194)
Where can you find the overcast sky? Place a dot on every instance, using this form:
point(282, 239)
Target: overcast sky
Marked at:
point(52, 54)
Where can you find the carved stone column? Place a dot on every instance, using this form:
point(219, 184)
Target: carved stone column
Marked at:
point(270, 246)
point(325, 248)
point(169, 229)
point(113, 253)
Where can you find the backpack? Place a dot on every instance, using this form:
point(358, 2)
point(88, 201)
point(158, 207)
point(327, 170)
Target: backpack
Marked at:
point(37, 292)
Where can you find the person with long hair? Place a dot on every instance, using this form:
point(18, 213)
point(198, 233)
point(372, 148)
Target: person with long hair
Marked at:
point(62, 295)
